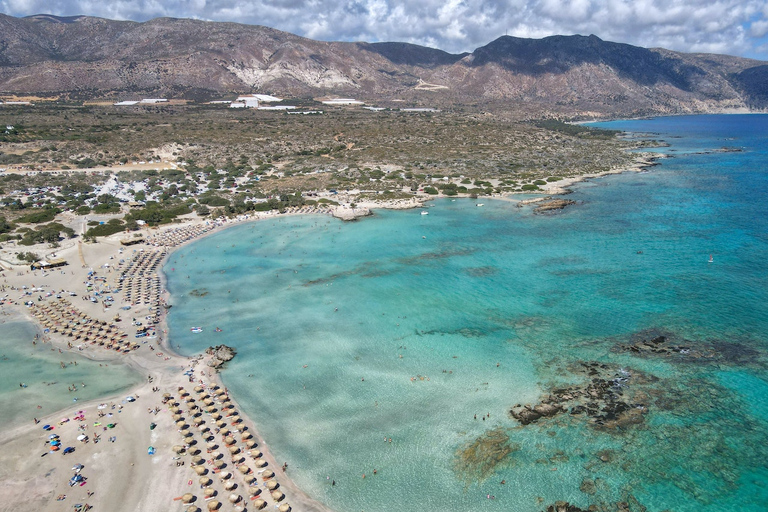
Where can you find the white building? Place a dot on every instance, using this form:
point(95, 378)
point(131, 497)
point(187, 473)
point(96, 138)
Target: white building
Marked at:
point(153, 100)
point(125, 103)
point(343, 101)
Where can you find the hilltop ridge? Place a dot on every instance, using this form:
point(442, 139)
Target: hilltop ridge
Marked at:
point(84, 57)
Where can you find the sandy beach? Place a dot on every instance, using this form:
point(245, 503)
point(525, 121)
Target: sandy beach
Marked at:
point(116, 432)
point(181, 410)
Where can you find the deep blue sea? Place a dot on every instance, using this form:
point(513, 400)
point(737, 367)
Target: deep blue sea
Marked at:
point(427, 330)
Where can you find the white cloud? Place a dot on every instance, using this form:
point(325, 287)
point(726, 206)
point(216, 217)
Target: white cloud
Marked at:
point(727, 26)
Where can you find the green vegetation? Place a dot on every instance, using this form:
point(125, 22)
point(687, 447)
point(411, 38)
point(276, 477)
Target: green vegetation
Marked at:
point(28, 257)
point(38, 215)
point(576, 130)
point(108, 228)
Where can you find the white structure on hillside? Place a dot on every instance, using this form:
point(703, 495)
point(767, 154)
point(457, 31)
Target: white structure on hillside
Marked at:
point(153, 100)
point(266, 98)
point(125, 103)
point(249, 101)
point(278, 107)
point(343, 101)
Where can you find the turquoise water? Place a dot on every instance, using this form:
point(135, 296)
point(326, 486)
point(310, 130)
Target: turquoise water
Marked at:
point(47, 383)
point(406, 327)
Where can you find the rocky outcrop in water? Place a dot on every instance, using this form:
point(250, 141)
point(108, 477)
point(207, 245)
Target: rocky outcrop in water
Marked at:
point(553, 205)
point(604, 399)
point(564, 506)
point(663, 343)
point(221, 354)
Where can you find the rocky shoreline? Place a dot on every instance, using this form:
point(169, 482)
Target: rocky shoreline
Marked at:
point(220, 354)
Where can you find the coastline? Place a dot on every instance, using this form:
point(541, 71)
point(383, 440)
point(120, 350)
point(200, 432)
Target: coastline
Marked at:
point(130, 478)
point(146, 481)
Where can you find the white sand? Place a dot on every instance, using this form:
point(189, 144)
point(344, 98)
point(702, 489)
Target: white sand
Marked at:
point(121, 475)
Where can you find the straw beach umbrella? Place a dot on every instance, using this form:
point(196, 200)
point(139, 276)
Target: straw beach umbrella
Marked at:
point(188, 498)
point(200, 470)
point(284, 508)
point(229, 440)
point(243, 469)
point(197, 460)
point(251, 443)
point(272, 485)
point(178, 448)
point(277, 495)
point(209, 492)
point(255, 453)
point(259, 504)
point(254, 491)
point(230, 485)
point(268, 474)
point(246, 435)
point(205, 481)
point(260, 463)
point(234, 449)
point(213, 505)
point(192, 508)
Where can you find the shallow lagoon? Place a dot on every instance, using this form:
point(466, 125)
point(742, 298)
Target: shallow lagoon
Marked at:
point(46, 381)
point(406, 326)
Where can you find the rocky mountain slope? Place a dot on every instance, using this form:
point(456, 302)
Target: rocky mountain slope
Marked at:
point(84, 57)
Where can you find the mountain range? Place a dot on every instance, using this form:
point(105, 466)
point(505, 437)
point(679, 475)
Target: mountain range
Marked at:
point(83, 57)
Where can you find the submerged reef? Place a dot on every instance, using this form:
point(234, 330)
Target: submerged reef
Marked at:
point(663, 343)
point(479, 459)
point(605, 399)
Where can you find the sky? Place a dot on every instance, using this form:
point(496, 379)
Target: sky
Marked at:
point(733, 27)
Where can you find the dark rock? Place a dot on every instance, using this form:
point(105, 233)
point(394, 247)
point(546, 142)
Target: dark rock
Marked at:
point(588, 486)
point(555, 204)
point(221, 354)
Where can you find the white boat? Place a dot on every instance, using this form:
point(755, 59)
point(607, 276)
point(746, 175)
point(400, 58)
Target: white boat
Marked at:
point(710, 259)
point(196, 329)
point(425, 212)
point(479, 204)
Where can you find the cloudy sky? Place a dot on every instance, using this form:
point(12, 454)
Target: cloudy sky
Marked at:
point(736, 27)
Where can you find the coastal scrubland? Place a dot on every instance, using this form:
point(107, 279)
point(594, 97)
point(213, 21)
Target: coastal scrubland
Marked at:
point(213, 160)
